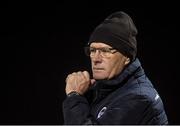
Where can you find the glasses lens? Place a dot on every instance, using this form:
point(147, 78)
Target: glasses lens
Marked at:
point(104, 52)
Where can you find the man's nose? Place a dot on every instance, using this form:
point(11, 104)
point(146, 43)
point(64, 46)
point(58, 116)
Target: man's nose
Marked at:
point(97, 56)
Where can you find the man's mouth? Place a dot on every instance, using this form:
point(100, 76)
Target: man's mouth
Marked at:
point(98, 69)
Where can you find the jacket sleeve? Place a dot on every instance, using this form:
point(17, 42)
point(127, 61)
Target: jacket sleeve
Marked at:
point(76, 111)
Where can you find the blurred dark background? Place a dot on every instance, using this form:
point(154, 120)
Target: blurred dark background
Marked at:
point(41, 42)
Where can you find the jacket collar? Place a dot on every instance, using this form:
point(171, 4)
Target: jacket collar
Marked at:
point(104, 87)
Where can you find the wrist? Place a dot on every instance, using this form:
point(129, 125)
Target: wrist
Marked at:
point(73, 93)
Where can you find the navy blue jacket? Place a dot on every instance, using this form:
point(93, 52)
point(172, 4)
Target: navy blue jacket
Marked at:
point(129, 98)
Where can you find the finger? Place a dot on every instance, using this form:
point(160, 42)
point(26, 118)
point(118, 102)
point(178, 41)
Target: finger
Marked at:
point(93, 81)
point(86, 75)
point(67, 78)
point(70, 76)
point(74, 73)
point(81, 75)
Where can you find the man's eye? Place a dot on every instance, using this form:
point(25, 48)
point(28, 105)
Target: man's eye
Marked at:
point(92, 50)
point(105, 50)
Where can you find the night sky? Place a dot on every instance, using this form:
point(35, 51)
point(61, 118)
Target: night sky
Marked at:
point(42, 42)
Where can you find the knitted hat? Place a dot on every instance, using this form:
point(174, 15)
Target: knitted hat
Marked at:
point(118, 31)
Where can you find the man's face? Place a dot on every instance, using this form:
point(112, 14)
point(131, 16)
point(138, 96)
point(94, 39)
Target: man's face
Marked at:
point(109, 65)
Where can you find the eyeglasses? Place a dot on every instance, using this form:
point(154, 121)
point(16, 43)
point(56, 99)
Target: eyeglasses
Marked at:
point(104, 52)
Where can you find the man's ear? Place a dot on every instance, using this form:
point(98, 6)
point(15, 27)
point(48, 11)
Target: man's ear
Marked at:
point(127, 61)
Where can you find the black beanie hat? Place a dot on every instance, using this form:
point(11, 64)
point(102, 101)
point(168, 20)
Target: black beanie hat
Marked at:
point(118, 31)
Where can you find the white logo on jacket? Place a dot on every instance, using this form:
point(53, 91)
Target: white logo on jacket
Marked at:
point(157, 96)
point(101, 112)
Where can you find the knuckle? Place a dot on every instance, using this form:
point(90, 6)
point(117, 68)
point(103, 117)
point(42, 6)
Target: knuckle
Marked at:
point(79, 72)
point(74, 73)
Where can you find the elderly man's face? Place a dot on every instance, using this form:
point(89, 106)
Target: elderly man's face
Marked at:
point(106, 65)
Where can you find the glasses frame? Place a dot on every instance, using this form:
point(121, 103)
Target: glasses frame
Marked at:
point(104, 51)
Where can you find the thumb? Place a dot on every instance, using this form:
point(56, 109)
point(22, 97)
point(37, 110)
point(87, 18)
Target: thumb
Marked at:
point(93, 81)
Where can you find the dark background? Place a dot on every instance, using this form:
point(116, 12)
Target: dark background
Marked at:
point(41, 42)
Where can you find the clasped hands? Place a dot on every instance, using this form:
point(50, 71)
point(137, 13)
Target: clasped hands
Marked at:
point(79, 82)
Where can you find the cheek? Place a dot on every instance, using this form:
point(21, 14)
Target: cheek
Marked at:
point(110, 66)
point(115, 66)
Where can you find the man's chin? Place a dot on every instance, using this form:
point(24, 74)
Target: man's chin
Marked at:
point(99, 76)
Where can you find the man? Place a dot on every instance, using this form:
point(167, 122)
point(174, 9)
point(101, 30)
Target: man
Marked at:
point(120, 92)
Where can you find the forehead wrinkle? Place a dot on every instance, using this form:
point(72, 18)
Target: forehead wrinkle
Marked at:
point(99, 45)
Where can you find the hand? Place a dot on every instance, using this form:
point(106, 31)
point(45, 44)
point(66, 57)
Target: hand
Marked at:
point(79, 82)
